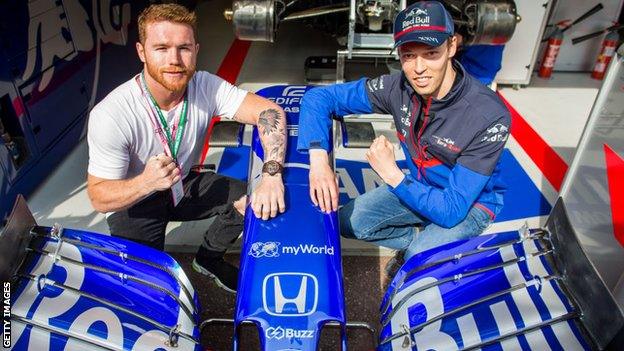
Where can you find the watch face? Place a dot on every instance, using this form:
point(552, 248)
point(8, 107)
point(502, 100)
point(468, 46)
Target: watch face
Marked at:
point(271, 167)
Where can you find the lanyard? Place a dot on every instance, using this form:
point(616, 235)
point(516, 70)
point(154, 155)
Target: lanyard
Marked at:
point(172, 146)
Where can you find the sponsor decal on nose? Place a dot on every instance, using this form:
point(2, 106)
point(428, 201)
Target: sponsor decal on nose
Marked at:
point(275, 248)
point(290, 294)
point(279, 333)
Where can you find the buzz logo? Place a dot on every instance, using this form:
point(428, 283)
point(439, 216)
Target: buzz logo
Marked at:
point(290, 294)
point(275, 333)
point(279, 333)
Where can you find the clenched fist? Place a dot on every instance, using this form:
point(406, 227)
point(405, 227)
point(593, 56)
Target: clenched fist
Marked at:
point(160, 173)
point(380, 155)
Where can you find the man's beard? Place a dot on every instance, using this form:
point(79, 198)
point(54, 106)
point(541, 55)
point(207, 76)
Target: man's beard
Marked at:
point(175, 87)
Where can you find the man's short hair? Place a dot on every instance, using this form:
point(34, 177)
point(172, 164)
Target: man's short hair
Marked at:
point(165, 12)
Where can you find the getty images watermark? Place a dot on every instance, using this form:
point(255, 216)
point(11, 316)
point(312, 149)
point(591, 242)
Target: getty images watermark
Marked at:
point(6, 314)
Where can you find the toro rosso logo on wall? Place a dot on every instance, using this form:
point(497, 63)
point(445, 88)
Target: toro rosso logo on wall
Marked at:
point(290, 294)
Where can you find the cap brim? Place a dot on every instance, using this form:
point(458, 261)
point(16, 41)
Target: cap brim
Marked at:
point(434, 39)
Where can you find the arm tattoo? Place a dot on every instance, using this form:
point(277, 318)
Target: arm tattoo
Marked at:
point(268, 121)
point(272, 129)
point(277, 148)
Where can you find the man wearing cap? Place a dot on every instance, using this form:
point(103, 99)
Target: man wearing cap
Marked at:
point(451, 128)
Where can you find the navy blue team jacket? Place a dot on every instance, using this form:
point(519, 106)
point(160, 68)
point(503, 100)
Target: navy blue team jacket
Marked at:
point(452, 146)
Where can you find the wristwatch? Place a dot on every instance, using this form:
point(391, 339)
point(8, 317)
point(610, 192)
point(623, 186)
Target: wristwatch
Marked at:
point(272, 167)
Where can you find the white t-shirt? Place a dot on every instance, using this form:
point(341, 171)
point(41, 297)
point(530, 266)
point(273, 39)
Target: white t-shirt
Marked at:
point(121, 135)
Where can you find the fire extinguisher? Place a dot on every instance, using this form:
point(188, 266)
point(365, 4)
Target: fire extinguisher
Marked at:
point(607, 52)
point(556, 38)
point(550, 54)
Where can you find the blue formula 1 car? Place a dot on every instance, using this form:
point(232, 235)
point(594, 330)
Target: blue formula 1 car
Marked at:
point(557, 287)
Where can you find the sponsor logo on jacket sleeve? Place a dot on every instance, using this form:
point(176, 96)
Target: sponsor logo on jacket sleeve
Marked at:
point(496, 133)
point(375, 84)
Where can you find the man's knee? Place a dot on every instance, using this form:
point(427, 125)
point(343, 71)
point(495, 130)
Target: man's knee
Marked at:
point(352, 223)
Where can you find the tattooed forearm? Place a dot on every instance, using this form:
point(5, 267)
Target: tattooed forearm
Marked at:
point(272, 128)
point(268, 122)
point(277, 148)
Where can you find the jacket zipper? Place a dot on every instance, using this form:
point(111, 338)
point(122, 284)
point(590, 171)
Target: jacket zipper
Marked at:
point(420, 150)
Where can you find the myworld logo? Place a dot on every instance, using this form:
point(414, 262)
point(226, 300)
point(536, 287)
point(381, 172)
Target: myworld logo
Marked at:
point(274, 249)
point(279, 333)
point(308, 249)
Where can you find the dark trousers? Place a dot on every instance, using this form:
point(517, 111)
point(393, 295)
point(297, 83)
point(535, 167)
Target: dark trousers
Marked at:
point(205, 195)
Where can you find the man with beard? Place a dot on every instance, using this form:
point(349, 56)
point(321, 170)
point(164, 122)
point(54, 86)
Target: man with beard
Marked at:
point(451, 128)
point(145, 135)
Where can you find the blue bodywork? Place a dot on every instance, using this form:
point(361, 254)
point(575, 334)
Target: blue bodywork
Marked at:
point(82, 290)
point(290, 281)
point(479, 293)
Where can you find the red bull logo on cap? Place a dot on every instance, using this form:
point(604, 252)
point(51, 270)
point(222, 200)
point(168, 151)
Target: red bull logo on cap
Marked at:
point(413, 18)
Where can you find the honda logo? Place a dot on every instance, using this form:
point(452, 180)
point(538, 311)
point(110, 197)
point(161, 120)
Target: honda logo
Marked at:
point(290, 294)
